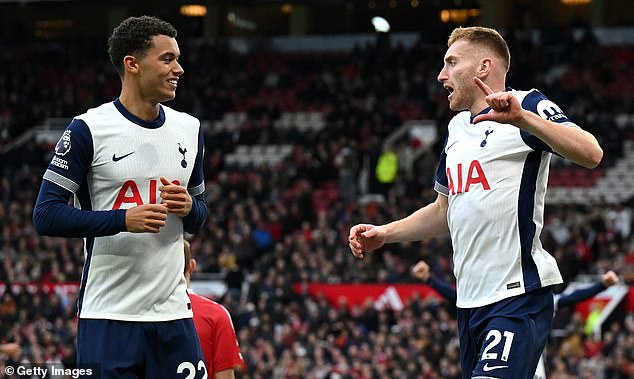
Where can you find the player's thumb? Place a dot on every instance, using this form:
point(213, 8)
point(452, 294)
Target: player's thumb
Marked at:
point(482, 117)
point(370, 233)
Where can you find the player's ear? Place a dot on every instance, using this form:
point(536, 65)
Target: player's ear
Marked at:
point(192, 265)
point(484, 67)
point(130, 64)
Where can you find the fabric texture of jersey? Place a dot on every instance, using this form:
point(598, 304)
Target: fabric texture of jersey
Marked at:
point(495, 177)
point(217, 336)
point(110, 159)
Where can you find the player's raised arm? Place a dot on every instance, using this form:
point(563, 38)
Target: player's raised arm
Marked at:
point(575, 144)
point(607, 280)
point(421, 271)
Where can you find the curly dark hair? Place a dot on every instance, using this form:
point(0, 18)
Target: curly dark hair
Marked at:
point(134, 37)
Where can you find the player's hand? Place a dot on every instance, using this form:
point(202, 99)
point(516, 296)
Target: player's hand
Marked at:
point(144, 218)
point(504, 106)
point(610, 278)
point(421, 271)
point(12, 349)
point(176, 198)
point(365, 238)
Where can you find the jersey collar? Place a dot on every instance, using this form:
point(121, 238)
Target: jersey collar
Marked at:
point(487, 109)
point(132, 118)
point(484, 111)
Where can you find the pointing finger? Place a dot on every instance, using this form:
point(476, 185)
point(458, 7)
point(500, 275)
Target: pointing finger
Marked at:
point(165, 182)
point(487, 91)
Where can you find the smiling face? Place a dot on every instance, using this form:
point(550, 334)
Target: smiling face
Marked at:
point(462, 61)
point(159, 70)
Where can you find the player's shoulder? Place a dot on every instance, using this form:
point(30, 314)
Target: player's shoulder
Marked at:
point(528, 98)
point(536, 102)
point(100, 112)
point(460, 118)
point(182, 116)
point(209, 308)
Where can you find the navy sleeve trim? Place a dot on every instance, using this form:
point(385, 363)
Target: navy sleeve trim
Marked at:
point(195, 191)
point(442, 185)
point(197, 179)
point(61, 181)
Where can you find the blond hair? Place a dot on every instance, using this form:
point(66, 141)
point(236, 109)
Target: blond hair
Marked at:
point(485, 37)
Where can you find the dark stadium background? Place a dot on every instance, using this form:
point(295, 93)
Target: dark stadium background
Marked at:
point(298, 100)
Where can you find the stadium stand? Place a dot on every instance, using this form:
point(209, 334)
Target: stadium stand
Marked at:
point(279, 216)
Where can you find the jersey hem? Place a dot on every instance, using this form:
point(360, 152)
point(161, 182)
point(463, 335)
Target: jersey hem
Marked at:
point(506, 295)
point(140, 318)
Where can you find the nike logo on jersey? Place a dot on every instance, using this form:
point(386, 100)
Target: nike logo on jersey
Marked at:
point(449, 147)
point(116, 159)
point(490, 368)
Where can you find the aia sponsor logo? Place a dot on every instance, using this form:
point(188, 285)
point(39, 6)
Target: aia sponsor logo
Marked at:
point(129, 194)
point(460, 181)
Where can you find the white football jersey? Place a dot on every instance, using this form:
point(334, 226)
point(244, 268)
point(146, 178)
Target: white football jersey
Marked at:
point(495, 176)
point(113, 160)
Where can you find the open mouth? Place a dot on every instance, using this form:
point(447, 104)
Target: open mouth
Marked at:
point(173, 82)
point(450, 89)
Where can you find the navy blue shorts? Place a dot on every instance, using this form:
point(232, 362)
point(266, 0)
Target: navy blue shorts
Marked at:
point(505, 339)
point(132, 350)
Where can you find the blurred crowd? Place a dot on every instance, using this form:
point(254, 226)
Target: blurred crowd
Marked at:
point(266, 230)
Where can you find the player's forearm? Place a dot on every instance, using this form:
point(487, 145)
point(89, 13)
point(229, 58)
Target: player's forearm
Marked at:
point(575, 144)
point(425, 223)
point(580, 295)
point(52, 216)
point(62, 220)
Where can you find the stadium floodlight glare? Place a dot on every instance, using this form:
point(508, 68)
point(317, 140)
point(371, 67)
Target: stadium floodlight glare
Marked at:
point(380, 24)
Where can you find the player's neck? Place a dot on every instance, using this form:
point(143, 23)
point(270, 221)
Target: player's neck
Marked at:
point(478, 106)
point(145, 110)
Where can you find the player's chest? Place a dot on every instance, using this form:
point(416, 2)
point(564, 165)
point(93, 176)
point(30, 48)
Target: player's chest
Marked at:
point(480, 158)
point(486, 142)
point(145, 154)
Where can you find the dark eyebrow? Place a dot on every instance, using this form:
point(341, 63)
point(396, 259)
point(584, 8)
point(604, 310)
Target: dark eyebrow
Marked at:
point(168, 55)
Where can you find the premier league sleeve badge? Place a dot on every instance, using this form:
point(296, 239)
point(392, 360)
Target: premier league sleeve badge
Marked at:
point(63, 145)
